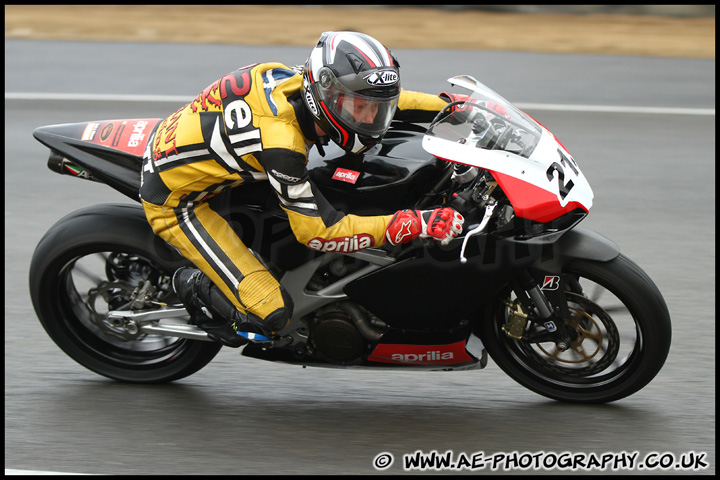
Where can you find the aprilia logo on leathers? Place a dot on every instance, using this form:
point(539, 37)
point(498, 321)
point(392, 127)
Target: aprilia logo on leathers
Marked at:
point(342, 244)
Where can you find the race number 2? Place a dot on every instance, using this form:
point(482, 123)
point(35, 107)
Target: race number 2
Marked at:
point(563, 188)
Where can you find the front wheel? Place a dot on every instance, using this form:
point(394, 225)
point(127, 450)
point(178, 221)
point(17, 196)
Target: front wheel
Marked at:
point(91, 262)
point(621, 334)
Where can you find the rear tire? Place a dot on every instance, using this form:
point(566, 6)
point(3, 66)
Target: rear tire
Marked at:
point(87, 264)
point(624, 335)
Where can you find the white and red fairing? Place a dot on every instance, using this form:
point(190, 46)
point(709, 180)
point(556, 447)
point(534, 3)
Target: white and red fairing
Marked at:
point(540, 178)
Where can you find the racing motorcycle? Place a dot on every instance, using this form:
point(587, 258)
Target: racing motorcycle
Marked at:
point(556, 306)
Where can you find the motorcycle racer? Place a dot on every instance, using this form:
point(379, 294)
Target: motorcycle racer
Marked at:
point(259, 123)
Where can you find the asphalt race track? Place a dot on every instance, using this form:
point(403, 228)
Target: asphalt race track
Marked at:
point(650, 159)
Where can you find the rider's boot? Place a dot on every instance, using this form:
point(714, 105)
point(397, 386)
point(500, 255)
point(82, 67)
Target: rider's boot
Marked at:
point(211, 310)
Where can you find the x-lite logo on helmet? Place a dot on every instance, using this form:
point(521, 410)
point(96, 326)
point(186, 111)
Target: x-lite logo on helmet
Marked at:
point(382, 78)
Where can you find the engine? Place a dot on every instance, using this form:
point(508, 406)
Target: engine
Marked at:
point(342, 332)
point(335, 336)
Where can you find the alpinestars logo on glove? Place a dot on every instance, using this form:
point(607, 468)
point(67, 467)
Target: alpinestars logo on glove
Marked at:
point(342, 244)
point(403, 232)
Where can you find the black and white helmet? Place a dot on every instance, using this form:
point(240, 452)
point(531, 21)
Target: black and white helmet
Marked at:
point(351, 85)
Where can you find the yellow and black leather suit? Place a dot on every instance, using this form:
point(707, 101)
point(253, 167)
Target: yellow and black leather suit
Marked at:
point(251, 125)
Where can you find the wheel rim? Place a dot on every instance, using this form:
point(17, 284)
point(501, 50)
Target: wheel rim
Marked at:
point(606, 346)
point(91, 284)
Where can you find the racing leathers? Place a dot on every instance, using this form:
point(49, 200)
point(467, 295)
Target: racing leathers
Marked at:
point(249, 126)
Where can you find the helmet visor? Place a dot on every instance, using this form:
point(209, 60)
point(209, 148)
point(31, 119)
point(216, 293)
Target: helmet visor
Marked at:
point(361, 113)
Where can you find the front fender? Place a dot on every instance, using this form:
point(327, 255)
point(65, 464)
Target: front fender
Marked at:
point(585, 244)
point(577, 244)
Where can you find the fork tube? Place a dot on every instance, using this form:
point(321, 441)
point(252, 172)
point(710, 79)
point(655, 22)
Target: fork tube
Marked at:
point(542, 304)
point(557, 329)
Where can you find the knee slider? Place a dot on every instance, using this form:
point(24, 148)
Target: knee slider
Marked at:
point(278, 319)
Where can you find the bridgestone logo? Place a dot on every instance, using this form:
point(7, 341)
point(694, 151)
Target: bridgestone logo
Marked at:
point(342, 244)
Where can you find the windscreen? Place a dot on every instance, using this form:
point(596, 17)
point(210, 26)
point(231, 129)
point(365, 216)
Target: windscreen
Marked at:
point(486, 120)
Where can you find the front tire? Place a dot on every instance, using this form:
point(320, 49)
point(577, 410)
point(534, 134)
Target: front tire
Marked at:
point(622, 328)
point(87, 264)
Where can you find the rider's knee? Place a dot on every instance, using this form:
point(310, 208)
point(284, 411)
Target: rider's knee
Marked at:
point(279, 318)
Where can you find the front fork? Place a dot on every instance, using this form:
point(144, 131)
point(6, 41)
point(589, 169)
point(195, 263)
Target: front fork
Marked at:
point(530, 297)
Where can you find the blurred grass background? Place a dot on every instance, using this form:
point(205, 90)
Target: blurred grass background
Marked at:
point(653, 30)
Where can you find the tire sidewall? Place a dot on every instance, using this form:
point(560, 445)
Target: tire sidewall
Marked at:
point(96, 230)
point(645, 303)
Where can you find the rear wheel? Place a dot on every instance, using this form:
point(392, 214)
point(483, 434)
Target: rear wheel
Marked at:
point(621, 334)
point(82, 269)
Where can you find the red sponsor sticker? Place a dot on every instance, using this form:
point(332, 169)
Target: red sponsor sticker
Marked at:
point(451, 354)
point(345, 175)
point(130, 136)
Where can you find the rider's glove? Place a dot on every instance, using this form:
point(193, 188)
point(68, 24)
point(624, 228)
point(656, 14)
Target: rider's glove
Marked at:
point(497, 107)
point(441, 224)
point(459, 112)
point(453, 97)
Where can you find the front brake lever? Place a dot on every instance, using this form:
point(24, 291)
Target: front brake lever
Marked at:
point(489, 208)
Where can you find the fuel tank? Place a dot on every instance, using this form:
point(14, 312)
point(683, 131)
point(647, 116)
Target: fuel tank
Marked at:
point(391, 176)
